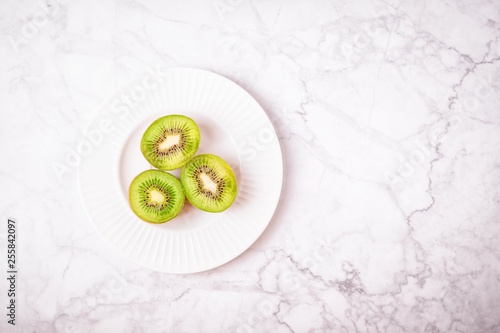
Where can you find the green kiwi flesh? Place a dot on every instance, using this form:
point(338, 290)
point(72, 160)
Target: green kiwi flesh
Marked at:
point(170, 141)
point(156, 196)
point(209, 183)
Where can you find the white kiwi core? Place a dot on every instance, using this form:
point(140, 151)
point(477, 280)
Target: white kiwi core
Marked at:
point(156, 196)
point(208, 183)
point(169, 142)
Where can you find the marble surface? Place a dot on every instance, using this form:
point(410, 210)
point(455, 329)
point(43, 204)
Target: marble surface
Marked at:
point(388, 117)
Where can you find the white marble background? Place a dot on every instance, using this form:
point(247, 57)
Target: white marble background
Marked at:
point(388, 114)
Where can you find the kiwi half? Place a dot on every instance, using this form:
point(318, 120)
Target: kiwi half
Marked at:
point(209, 183)
point(156, 196)
point(170, 141)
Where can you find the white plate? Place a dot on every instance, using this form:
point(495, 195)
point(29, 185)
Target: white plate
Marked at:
point(232, 125)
